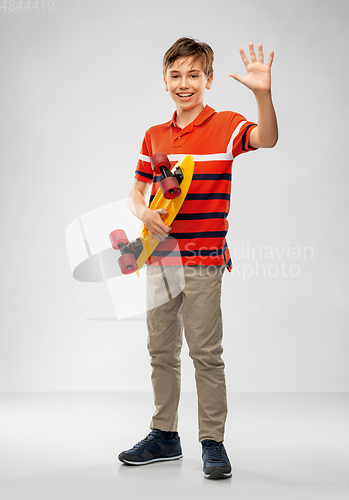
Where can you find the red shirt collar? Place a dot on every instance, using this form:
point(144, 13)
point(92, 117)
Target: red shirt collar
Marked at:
point(199, 120)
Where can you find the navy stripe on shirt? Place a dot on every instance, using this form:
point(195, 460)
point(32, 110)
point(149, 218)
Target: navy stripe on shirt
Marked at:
point(189, 253)
point(203, 177)
point(202, 196)
point(211, 177)
point(200, 234)
point(208, 196)
point(202, 216)
point(143, 174)
point(243, 140)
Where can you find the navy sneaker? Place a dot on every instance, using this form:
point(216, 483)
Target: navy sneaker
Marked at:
point(215, 460)
point(156, 447)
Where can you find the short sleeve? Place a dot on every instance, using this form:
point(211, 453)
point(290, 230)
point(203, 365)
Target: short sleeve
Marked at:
point(239, 130)
point(144, 172)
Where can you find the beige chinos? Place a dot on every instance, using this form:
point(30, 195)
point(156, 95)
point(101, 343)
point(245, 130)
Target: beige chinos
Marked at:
point(197, 308)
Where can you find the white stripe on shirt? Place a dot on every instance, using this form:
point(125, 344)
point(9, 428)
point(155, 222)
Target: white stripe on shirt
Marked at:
point(144, 158)
point(234, 134)
point(228, 156)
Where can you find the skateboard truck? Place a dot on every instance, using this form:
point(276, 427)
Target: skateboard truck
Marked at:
point(165, 172)
point(170, 181)
point(134, 247)
point(130, 250)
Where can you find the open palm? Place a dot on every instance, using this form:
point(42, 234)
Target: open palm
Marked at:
point(258, 77)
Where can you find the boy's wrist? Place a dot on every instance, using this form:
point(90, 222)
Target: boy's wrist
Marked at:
point(262, 95)
point(142, 212)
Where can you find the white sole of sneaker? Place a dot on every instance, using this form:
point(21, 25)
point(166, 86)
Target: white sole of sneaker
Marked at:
point(218, 475)
point(152, 461)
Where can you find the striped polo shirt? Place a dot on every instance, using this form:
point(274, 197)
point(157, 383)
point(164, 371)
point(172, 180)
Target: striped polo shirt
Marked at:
point(214, 139)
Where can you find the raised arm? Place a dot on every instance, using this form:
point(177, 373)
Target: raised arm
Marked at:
point(258, 79)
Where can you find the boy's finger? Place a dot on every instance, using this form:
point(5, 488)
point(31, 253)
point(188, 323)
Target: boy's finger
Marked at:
point(252, 52)
point(244, 57)
point(236, 77)
point(160, 236)
point(260, 53)
point(163, 229)
point(271, 58)
point(166, 230)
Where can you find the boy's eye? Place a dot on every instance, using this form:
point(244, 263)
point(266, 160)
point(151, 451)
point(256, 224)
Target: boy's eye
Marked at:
point(191, 76)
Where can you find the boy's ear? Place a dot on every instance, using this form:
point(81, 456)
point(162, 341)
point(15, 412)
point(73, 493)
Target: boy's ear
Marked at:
point(209, 81)
point(166, 86)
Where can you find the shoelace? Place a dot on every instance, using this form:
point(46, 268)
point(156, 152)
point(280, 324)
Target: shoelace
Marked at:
point(146, 440)
point(214, 451)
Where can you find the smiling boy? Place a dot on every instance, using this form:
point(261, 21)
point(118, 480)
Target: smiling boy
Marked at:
point(200, 228)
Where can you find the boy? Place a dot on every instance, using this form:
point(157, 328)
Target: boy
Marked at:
point(214, 140)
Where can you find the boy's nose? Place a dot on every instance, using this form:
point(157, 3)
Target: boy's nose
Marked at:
point(184, 83)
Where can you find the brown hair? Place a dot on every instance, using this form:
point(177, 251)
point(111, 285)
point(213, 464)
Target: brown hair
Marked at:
point(186, 47)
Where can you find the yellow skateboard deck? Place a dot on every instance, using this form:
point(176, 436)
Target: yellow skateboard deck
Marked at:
point(172, 206)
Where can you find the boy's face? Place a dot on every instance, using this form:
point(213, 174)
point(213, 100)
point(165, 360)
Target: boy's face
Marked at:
point(186, 83)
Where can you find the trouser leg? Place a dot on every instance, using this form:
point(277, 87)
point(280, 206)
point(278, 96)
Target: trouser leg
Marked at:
point(165, 337)
point(203, 330)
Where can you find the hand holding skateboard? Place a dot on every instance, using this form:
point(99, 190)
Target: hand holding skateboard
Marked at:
point(153, 220)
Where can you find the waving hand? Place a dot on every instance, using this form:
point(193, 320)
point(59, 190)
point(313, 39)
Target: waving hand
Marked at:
point(258, 77)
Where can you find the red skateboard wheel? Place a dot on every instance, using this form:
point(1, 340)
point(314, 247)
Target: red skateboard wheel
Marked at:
point(127, 263)
point(170, 188)
point(116, 237)
point(159, 160)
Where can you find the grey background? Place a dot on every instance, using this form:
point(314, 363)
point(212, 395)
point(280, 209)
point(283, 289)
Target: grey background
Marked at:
point(79, 87)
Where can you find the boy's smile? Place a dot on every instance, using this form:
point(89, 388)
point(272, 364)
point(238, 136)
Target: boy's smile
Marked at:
point(186, 83)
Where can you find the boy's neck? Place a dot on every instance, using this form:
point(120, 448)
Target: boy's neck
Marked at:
point(184, 117)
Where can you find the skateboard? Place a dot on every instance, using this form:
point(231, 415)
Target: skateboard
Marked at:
point(174, 186)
